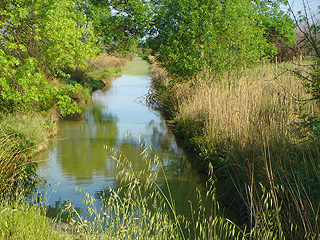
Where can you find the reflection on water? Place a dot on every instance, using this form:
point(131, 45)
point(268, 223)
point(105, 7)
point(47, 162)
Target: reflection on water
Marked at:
point(77, 157)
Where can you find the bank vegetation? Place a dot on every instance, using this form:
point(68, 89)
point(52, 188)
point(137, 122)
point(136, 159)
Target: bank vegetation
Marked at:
point(254, 128)
point(252, 121)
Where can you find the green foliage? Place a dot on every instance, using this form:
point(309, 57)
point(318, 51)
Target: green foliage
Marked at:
point(41, 40)
point(31, 90)
point(309, 30)
point(53, 32)
point(212, 37)
point(275, 23)
point(120, 24)
point(22, 221)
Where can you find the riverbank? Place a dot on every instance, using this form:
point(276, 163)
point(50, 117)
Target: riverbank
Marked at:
point(158, 171)
point(249, 134)
point(23, 135)
point(103, 70)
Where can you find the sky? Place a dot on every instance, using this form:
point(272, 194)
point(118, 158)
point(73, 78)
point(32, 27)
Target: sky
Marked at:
point(298, 6)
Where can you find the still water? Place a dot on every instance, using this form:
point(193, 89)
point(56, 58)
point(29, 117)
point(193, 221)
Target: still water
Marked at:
point(78, 157)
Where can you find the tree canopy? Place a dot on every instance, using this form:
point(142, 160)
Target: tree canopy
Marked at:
point(120, 23)
point(198, 37)
point(41, 40)
point(45, 39)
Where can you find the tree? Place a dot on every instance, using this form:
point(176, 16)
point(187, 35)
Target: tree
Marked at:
point(41, 40)
point(308, 24)
point(120, 23)
point(213, 36)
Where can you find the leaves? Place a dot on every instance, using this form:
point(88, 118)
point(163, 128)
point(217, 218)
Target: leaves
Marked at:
point(211, 37)
point(120, 24)
point(42, 40)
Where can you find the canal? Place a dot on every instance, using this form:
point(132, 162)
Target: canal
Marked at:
point(117, 118)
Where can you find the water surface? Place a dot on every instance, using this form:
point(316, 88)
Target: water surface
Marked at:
point(77, 156)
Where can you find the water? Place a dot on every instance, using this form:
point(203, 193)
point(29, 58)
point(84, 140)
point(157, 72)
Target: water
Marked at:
point(77, 156)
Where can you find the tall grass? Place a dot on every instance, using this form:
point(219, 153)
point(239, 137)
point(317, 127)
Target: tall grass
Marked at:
point(250, 129)
point(19, 220)
point(140, 209)
point(21, 136)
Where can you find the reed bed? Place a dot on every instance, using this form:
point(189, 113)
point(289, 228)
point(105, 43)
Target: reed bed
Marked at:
point(253, 110)
point(21, 137)
point(249, 128)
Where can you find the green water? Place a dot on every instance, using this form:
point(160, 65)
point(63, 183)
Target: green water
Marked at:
point(78, 157)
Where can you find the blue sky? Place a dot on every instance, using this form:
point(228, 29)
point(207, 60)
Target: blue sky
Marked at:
point(298, 6)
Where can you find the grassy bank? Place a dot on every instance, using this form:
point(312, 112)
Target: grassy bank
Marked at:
point(139, 209)
point(22, 221)
point(25, 133)
point(103, 70)
point(22, 136)
point(247, 129)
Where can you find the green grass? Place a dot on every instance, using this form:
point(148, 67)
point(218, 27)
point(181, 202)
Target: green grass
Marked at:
point(29, 133)
point(138, 209)
point(22, 136)
point(19, 220)
point(103, 70)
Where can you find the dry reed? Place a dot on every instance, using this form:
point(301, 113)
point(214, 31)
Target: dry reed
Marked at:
point(251, 122)
point(106, 60)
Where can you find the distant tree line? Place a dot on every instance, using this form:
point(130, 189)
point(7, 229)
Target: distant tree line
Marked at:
point(42, 40)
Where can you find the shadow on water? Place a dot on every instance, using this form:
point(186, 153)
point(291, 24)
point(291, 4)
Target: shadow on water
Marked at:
point(77, 156)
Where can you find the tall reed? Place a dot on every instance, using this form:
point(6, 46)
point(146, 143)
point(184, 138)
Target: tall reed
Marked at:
point(250, 129)
point(21, 136)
